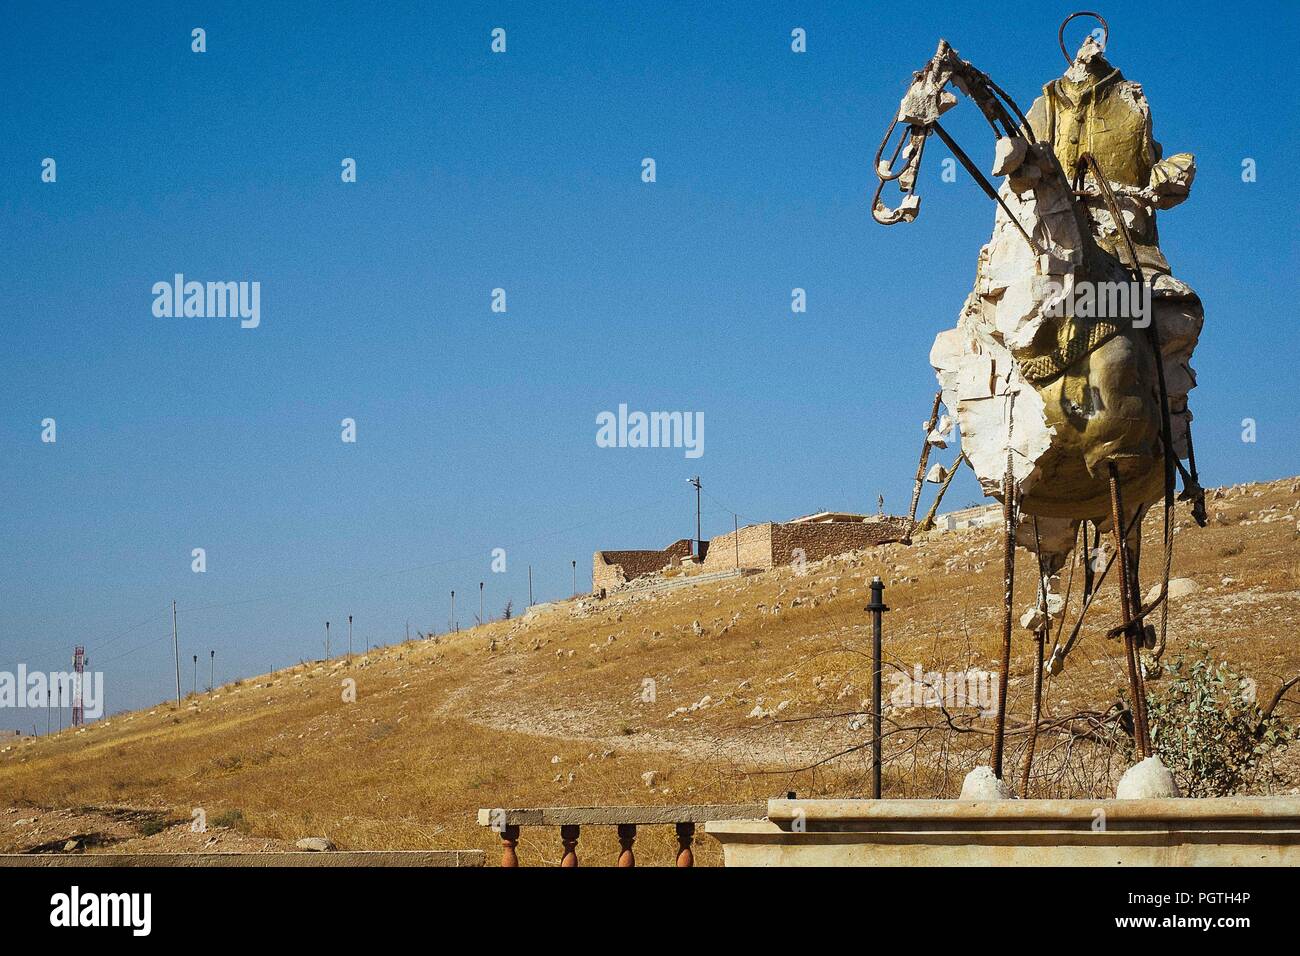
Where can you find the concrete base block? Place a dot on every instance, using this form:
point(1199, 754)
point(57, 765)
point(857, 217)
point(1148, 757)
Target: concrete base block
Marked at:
point(1224, 831)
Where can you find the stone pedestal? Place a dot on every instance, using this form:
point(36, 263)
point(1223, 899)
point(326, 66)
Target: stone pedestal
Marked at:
point(1225, 831)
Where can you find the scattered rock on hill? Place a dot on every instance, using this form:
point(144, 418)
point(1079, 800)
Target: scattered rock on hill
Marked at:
point(1178, 588)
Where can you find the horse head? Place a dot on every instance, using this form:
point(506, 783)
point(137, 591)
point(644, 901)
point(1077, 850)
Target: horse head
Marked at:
point(927, 98)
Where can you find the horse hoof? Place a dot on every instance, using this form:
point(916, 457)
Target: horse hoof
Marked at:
point(1147, 780)
point(980, 784)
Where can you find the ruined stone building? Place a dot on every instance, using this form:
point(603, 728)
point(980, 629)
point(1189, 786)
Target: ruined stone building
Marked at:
point(757, 546)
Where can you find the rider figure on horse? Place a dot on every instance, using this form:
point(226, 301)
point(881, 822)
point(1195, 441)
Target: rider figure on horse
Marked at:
point(1093, 109)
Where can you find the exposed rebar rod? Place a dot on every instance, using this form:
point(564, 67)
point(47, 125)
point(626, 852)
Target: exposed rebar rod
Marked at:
point(920, 468)
point(1136, 687)
point(1008, 580)
point(927, 523)
point(1040, 642)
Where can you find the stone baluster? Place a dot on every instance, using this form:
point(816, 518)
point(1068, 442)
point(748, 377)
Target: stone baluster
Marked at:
point(626, 834)
point(569, 837)
point(509, 840)
point(685, 834)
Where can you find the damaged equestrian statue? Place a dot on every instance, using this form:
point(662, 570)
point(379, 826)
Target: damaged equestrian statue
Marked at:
point(1068, 370)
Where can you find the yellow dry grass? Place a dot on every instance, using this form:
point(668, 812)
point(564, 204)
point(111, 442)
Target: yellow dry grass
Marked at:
point(478, 719)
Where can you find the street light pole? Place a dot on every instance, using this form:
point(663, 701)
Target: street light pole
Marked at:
point(212, 663)
point(696, 482)
point(176, 652)
point(575, 576)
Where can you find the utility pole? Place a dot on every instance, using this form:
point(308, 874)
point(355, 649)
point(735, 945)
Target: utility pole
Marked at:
point(79, 668)
point(481, 619)
point(350, 638)
point(176, 652)
point(196, 675)
point(735, 536)
point(327, 640)
point(212, 663)
point(453, 625)
point(575, 577)
point(530, 585)
point(696, 482)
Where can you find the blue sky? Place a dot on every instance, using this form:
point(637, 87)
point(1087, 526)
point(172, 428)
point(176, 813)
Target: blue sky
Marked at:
point(475, 430)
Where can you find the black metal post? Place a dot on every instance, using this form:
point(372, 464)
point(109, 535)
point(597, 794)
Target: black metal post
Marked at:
point(877, 607)
point(696, 482)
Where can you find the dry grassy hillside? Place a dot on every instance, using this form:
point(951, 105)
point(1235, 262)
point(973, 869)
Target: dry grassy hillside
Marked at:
point(755, 680)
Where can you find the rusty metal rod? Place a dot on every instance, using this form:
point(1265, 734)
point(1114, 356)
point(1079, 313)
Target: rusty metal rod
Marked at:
point(920, 468)
point(1008, 580)
point(1040, 640)
point(927, 523)
point(1125, 582)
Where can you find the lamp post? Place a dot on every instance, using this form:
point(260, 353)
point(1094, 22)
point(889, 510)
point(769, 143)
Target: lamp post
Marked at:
point(696, 482)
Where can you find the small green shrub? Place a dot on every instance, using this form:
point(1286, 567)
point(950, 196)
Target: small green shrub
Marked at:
point(1208, 729)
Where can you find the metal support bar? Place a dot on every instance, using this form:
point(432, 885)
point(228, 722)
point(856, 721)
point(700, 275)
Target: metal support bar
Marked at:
point(877, 608)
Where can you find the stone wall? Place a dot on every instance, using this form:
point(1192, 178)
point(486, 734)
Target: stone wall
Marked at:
point(826, 539)
point(770, 545)
point(755, 548)
point(609, 569)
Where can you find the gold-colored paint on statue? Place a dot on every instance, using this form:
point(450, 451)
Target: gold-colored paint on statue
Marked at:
point(1097, 377)
point(1094, 109)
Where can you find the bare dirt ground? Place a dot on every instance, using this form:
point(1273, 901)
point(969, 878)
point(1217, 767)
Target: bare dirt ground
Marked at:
point(724, 692)
point(119, 830)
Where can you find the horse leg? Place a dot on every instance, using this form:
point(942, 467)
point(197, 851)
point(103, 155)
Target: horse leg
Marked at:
point(1053, 541)
point(1129, 604)
point(920, 468)
point(1008, 580)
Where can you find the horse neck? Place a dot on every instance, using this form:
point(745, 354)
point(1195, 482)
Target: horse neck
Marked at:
point(1054, 218)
